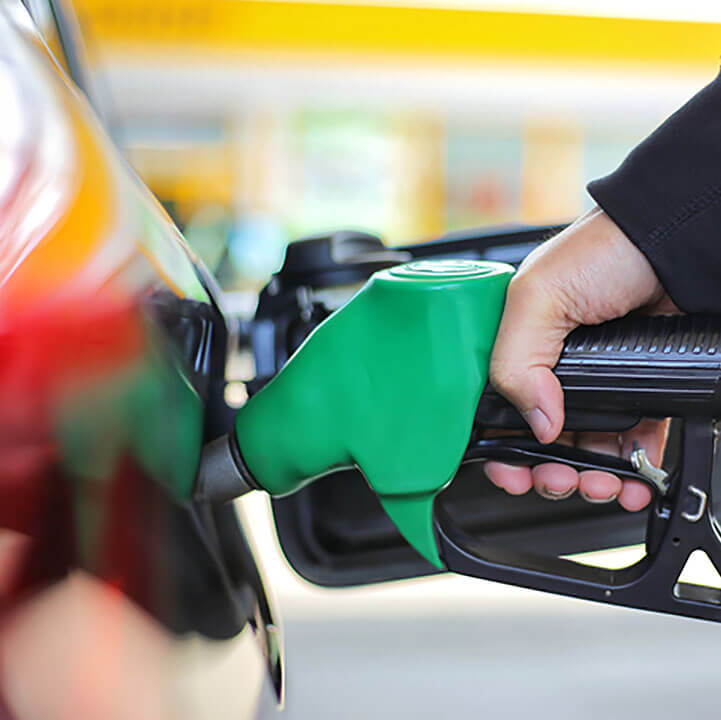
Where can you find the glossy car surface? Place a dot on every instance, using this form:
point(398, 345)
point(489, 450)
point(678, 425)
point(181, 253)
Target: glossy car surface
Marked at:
point(112, 364)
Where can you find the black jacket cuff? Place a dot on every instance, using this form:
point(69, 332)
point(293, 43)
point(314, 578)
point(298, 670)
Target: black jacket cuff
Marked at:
point(666, 197)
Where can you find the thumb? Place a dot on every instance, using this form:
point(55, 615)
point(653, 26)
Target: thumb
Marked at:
point(528, 345)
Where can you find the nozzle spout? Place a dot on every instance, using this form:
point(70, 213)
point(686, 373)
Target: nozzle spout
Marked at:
point(223, 475)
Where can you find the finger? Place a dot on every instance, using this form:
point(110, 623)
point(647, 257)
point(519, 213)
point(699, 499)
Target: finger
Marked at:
point(554, 481)
point(514, 480)
point(500, 472)
point(597, 486)
point(528, 344)
point(649, 435)
point(634, 495)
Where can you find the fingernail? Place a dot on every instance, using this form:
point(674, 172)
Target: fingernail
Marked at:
point(539, 422)
point(555, 494)
point(598, 501)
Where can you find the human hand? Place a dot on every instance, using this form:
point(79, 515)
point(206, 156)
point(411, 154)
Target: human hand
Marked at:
point(589, 273)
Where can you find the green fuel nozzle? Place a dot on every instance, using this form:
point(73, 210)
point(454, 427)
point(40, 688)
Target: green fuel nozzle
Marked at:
point(389, 383)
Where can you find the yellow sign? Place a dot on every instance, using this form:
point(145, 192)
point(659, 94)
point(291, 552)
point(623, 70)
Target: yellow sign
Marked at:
point(242, 25)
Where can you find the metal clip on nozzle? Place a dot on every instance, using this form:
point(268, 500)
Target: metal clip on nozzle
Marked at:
point(642, 465)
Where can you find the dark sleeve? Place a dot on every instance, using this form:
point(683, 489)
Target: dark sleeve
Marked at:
point(666, 197)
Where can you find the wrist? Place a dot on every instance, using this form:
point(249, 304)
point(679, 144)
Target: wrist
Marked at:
point(642, 284)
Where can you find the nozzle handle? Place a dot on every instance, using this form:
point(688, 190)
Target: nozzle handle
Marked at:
point(618, 372)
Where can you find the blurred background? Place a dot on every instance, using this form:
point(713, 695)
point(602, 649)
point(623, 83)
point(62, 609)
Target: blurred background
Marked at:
point(258, 122)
